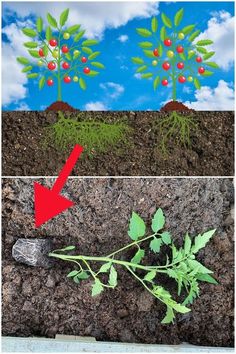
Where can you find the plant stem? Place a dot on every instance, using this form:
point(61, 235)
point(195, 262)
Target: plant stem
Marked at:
point(59, 95)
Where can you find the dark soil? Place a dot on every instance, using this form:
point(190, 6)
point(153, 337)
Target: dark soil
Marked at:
point(43, 302)
point(174, 106)
point(61, 106)
point(211, 154)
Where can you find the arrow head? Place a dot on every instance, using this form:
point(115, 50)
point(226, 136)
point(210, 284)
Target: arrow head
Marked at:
point(48, 204)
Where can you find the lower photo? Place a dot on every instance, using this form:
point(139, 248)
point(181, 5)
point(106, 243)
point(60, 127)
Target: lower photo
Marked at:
point(131, 265)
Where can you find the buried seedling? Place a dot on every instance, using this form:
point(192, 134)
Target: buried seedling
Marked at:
point(172, 58)
point(95, 137)
point(181, 265)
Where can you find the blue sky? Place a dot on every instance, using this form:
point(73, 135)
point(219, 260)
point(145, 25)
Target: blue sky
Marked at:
point(117, 87)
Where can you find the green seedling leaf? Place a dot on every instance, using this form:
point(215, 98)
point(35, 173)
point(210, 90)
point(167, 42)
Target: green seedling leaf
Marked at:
point(141, 69)
point(212, 64)
point(26, 69)
point(51, 20)
point(105, 267)
point(97, 64)
point(200, 268)
point(79, 36)
point(186, 30)
point(97, 288)
point(34, 53)
point(89, 42)
point(160, 50)
point(155, 244)
point(150, 275)
point(204, 42)
point(92, 73)
point(163, 34)
point(154, 24)
point(68, 56)
point(207, 278)
point(169, 317)
point(113, 277)
point(147, 75)
point(137, 227)
point(138, 257)
point(48, 33)
point(39, 24)
point(194, 35)
point(156, 82)
point(158, 220)
point(187, 244)
point(76, 279)
point(23, 60)
point(201, 50)
point(73, 29)
point(145, 45)
point(208, 55)
point(180, 308)
point(178, 17)
point(197, 83)
point(87, 50)
point(149, 53)
point(166, 237)
point(32, 76)
point(166, 20)
point(29, 32)
point(82, 83)
point(137, 60)
point(31, 45)
point(42, 82)
point(200, 241)
point(144, 32)
point(68, 248)
point(94, 55)
point(83, 275)
point(64, 17)
point(72, 273)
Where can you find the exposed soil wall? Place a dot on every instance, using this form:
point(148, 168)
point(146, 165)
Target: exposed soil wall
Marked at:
point(41, 302)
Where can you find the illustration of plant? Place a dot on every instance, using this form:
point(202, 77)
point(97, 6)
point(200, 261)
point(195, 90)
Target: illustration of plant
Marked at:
point(172, 56)
point(181, 264)
point(59, 54)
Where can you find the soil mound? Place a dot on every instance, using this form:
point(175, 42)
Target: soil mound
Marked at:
point(175, 106)
point(60, 106)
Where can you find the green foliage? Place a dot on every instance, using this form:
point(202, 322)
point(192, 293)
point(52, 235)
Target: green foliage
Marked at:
point(182, 268)
point(96, 137)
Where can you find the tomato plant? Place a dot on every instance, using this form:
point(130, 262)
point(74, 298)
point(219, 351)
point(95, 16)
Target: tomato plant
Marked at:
point(172, 56)
point(59, 54)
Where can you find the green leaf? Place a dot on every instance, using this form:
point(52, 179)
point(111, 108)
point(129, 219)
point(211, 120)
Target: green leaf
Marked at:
point(160, 50)
point(166, 237)
point(26, 69)
point(143, 32)
point(187, 29)
point(23, 60)
point(83, 275)
point(155, 244)
point(68, 248)
point(87, 50)
point(212, 64)
point(31, 45)
point(194, 35)
point(79, 36)
point(64, 17)
point(158, 220)
point(207, 73)
point(105, 267)
point(200, 241)
point(187, 244)
point(94, 55)
point(72, 273)
point(163, 34)
point(201, 50)
point(39, 24)
point(169, 317)
point(73, 29)
point(76, 279)
point(197, 83)
point(48, 33)
point(182, 56)
point(149, 53)
point(191, 54)
point(207, 278)
point(178, 17)
point(208, 55)
point(112, 277)
point(82, 83)
point(137, 60)
point(137, 227)
point(45, 50)
point(29, 32)
point(154, 24)
point(180, 308)
point(97, 288)
point(204, 42)
point(68, 56)
point(147, 75)
point(156, 82)
point(76, 54)
point(34, 53)
point(197, 265)
point(92, 73)
point(138, 257)
point(145, 45)
point(141, 69)
point(97, 64)
point(166, 20)
point(89, 42)
point(150, 275)
point(42, 82)
point(51, 20)
point(32, 76)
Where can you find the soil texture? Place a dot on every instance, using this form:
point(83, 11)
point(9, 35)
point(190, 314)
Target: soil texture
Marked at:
point(175, 106)
point(61, 106)
point(211, 152)
point(43, 302)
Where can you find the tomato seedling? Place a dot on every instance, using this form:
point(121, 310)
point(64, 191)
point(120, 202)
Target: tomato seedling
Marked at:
point(181, 264)
point(59, 54)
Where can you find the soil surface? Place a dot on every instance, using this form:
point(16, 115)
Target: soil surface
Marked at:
point(174, 106)
point(61, 106)
point(43, 302)
point(211, 154)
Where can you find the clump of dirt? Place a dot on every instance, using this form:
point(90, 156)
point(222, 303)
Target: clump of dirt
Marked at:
point(44, 302)
point(175, 106)
point(61, 106)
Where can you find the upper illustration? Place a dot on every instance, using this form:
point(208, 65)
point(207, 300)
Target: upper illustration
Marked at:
point(146, 89)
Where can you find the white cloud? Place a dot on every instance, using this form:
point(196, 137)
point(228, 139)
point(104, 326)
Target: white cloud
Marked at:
point(112, 89)
point(96, 106)
point(221, 31)
point(220, 98)
point(138, 76)
point(94, 17)
point(123, 38)
point(187, 89)
point(22, 107)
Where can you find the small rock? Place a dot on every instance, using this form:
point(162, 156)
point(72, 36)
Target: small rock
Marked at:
point(33, 252)
point(50, 282)
point(122, 313)
point(28, 306)
point(145, 301)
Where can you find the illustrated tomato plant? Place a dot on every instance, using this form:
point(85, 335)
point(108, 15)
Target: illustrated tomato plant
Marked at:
point(59, 54)
point(172, 57)
point(180, 265)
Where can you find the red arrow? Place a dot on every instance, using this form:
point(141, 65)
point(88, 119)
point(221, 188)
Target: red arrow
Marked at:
point(48, 202)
